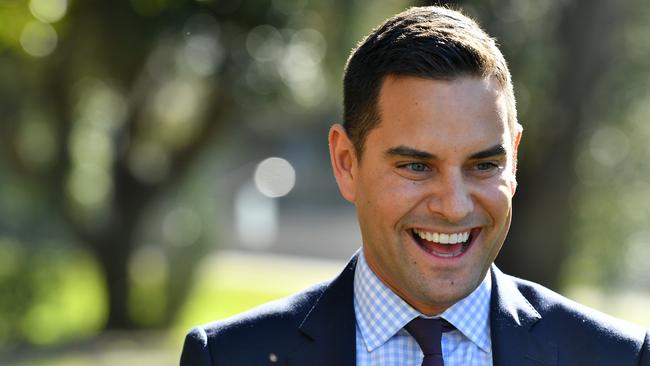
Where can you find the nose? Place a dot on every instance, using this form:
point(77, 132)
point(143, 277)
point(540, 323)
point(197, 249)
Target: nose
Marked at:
point(451, 199)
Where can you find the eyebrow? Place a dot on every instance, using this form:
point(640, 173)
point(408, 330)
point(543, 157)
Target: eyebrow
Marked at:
point(409, 152)
point(496, 150)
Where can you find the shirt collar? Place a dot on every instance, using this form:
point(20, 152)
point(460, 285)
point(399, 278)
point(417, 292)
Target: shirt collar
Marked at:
point(381, 313)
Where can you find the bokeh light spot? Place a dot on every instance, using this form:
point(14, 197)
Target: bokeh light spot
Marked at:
point(100, 105)
point(264, 43)
point(176, 104)
point(256, 218)
point(38, 39)
point(275, 177)
point(89, 186)
point(300, 67)
point(638, 256)
point(609, 146)
point(202, 52)
point(48, 11)
point(87, 145)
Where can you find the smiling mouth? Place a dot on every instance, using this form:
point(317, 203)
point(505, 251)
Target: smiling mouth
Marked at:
point(445, 245)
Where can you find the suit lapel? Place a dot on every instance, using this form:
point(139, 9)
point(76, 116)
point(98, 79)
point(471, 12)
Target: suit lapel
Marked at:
point(329, 329)
point(511, 320)
point(328, 332)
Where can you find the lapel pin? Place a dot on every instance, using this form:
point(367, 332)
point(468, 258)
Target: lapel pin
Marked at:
point(273, 357)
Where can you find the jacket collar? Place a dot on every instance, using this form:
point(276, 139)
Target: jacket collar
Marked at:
point(329, 329)
point(511, 321)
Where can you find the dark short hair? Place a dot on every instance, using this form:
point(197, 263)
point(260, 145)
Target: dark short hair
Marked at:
point(430, 42)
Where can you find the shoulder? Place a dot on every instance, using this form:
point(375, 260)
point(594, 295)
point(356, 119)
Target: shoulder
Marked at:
point(274, 316)
point(274, 331)
point(272, 325)
point(577, 322)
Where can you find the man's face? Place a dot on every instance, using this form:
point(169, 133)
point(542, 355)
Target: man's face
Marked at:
point(434, 187)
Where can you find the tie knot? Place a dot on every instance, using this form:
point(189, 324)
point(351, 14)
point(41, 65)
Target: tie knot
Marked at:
point(428, 333)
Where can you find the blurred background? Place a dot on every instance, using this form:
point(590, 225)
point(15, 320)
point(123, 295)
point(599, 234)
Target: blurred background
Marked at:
point(163, 163)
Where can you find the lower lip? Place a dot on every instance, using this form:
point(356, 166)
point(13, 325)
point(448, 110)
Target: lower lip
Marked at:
point(448, 252)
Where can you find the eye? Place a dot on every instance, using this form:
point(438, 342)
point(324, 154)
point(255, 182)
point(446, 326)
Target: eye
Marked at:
point(486, 169)
point(416, 167)
point(486, 166)
point(414, 170)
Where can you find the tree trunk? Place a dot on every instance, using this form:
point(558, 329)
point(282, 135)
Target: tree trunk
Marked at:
point(114, 265)
point(538, 243)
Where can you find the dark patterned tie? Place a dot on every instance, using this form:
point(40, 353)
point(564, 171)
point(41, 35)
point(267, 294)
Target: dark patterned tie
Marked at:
point(428, 334)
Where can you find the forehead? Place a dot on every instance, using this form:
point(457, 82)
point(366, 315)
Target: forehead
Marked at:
point(461, 114)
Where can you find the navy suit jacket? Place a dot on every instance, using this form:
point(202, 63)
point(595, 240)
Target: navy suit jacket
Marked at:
point(530, 325)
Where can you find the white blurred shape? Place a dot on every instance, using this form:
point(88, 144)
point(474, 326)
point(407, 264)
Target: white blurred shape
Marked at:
point(638, 255)
point(38, 39)
point(264, 43)
point(202, 54)
point(176, 105)
point(609, 146)
point(89, 185)
point(275, 177)
point(300, 67)
point(48, 11)
point(176, 101)
point(313, 40)
point(91, 146)
point(256, 218)
point(100, 106)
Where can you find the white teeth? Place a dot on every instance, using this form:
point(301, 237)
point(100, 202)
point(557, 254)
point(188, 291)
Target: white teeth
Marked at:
point(442, 238)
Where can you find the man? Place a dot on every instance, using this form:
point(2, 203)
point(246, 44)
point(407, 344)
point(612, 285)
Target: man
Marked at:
point(427, 154)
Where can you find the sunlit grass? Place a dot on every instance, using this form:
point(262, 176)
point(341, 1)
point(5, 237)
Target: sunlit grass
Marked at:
point(229, 283)
point(68, 302)
point(624, 304)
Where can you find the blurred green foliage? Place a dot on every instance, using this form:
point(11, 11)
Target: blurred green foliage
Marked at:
point(112, 116)
point(49, 295)
point(118, 121)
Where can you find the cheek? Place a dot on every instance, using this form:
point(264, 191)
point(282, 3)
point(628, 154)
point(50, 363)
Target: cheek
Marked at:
point(388, 197)
point(497, 199)
point(393, 189)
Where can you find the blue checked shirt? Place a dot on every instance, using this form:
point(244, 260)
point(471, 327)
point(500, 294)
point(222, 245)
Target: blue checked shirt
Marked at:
point(381, 316)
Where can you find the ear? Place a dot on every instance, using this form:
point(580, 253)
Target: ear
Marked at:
point(344, 161)
point(515, 146)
